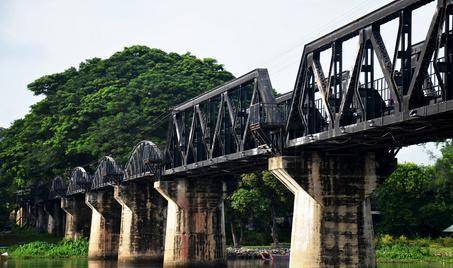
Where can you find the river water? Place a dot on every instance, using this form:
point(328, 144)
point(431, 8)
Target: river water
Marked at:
point(84, 263)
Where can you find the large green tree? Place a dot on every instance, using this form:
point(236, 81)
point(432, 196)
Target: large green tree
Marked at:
point(103, 107)
point(418, 200)
point(259, 198)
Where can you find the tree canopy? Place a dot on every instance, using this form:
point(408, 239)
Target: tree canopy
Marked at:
point(259, 199)
point(418, 200)
point(103, 107)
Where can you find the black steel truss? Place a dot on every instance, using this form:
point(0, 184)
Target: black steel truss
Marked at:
point(108, 173)
point(145, 161)
point(80, 181)
point(217, 125)
point(329, 103)
point(58, 188)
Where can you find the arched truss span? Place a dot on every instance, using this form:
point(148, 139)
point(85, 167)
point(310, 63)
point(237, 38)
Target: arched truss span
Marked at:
point(145, 161)
point(58, 188)
point(107, 173)
point(79, 182)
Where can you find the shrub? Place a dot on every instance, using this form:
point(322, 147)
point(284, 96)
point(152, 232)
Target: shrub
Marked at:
point(65, 248)
point(402, 252)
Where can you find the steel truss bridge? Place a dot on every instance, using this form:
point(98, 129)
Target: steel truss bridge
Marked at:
point(382, 102)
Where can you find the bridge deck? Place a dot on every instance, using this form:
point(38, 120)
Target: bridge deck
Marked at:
point(428, 123)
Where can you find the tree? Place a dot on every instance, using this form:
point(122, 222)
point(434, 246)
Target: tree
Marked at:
point(417, 200)
point(259, 197)
point(103, 107)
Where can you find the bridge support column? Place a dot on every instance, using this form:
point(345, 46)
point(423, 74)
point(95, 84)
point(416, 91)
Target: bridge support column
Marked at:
point(332, 223)
point(142, 222)
point(55, 224)
point(195, 234)
point(41, 217)
point(105, 224)
point(78, 216)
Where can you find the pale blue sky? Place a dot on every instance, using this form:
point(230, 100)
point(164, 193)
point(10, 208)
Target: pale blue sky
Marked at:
point(39, 37)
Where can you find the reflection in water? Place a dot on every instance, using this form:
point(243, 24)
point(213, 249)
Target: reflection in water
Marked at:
point(83, 263)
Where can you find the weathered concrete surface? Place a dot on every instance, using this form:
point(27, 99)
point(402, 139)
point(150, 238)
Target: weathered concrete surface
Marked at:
point(78, 216)
point(142, 221)
point(195, 233)
point(332, 224)
point(105, 224)
point(56, 220)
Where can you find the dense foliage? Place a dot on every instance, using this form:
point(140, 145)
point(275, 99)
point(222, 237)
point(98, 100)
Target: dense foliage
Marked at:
point(418, 200)
point(103, 107)
point(259, 201)
point(402, 249)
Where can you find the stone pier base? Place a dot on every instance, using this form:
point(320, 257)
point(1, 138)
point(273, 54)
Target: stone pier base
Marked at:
point(105, 224)
point(78, 216)
point(56, 219)
point(142, 221)
point(195, 233)
point(332, 224)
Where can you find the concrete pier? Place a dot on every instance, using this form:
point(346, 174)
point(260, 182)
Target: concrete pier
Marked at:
point(332, 224)
point(41, 216)
point(142, 221)
point(56, 217)
point(105, 224)
point(78, 216)
point(195, 233)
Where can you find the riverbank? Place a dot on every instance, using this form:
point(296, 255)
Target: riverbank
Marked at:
point(26, 243)
point(402, 249)
point(388, 249)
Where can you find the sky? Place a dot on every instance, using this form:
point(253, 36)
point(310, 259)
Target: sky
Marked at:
point(39, 37)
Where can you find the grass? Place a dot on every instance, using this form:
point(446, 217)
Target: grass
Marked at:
point(27, 243)
point(402, 249)
point(40, 249)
